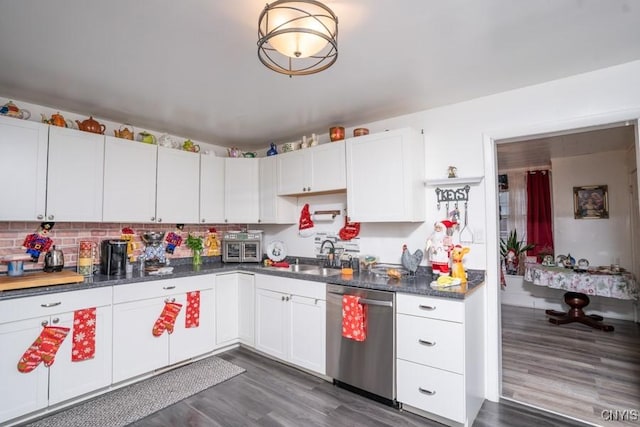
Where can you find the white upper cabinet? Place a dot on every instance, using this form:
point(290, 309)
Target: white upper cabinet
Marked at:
point(178, 186)
point(241, 190)
point(274, 209)
point(318, 169)
point(23, 164)
point(212, 186)
point(385, 177)
point(74, 175)
point(129, 181)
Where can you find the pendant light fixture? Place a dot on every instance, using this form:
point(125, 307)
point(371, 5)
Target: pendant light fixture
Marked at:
point(297, 37)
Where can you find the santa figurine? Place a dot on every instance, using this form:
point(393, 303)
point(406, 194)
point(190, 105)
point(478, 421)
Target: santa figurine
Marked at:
point(439, 245)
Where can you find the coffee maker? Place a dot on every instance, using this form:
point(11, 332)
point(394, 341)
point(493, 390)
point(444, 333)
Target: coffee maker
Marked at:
point(113, 257)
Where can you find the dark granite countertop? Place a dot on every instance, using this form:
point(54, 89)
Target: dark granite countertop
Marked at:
point(418, 284)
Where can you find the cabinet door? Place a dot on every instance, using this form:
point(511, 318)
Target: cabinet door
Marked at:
point(135, 350)
point(129, 181)
point(294, 172)
point(241, 190)
point(21, 392)
point(385, 177)
point(328, 167)
point(274, 209)
point(69, 379)
point(272, 317)
point(307, 333)
point(211, 189)
point(246, 307)
point(178, 188)
point(185, 343)
point(226, 309)
point(23, 164)
point(74, 175)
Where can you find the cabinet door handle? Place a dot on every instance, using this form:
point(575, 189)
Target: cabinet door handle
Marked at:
point(427, 307)
point(169, 300)
point(40, 216)
point(282, 298)
point(55, 320)
point(202, 220)
point(153, 218)
point(427, 343)
point(50, 217)
point(169, 287)
point(427, 392)
point(159, 219)
point(50, 304)
point(288, 298)
point(44, 323)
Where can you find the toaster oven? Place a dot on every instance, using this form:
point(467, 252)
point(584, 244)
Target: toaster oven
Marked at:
point(242, 246)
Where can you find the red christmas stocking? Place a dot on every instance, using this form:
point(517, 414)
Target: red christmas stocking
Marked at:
point(43, 349)
point(167, 318)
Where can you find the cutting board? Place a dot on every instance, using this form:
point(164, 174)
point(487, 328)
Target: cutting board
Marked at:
point(32, 280)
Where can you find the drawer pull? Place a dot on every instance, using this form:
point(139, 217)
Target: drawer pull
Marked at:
point(427, 343)
point(427, 307)
point(44, 323)
point(168, 287)
point(427, 392)
point(50, 304)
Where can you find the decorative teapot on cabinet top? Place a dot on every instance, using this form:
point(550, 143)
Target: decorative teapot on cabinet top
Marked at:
point(10, 109)
point(91, 125)
point(124, 133)
point(57, 120)
point(147, 138)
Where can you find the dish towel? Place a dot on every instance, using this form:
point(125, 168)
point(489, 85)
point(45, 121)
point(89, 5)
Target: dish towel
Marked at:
point(83, 346)
point(192, 318)
point(354, 319)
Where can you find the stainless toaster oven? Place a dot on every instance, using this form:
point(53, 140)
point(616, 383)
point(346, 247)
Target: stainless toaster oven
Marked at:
point(242, 246)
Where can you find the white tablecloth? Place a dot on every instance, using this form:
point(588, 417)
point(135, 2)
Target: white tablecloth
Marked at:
point(621, 286)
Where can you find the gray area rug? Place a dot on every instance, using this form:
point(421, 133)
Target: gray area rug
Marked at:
point(129, 404)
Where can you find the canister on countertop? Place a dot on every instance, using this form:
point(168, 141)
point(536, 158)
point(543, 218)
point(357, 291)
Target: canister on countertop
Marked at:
point(355, 264)
point(86, 256)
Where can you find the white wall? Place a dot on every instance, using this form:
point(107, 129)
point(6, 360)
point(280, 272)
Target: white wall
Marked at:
point(601, 241)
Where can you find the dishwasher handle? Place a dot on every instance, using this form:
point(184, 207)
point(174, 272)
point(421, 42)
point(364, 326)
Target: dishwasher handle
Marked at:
point(368, 301)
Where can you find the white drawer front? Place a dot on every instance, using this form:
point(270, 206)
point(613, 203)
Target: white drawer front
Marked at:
point(160, 288)
point(432, 390)
point(47, 305)
point(436, 343)
point(434, 308)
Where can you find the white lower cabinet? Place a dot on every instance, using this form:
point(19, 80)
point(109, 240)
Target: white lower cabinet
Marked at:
point(227, 309)
point(246, 309)
point(21, 322)
point(136, 308)
point(290, 320)
point(440, 356)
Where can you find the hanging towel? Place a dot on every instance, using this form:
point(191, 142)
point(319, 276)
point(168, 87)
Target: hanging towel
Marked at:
point(192, 319)
point(84, 334)
point(354, 322)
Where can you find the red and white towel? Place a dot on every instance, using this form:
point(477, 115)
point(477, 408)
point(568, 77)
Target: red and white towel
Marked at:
point(84, 334)
point(192, 318)
point(354, 318)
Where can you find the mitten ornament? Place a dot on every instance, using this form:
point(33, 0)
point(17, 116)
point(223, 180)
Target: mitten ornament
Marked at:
point(43, 349)
point(167, 318)
point(306, 226)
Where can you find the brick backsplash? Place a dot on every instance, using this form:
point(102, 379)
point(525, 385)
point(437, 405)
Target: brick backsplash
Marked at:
point(67, 235)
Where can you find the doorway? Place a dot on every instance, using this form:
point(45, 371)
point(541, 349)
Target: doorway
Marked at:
point(570, 370)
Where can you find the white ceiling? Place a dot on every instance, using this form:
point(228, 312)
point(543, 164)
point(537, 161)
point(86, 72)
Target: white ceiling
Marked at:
point(190, 67)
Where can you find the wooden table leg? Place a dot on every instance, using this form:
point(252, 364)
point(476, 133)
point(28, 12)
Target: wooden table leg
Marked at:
point(577, 302)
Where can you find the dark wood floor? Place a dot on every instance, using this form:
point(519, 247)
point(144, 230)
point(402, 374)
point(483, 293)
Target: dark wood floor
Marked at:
point(571, 369)
point(273, 394)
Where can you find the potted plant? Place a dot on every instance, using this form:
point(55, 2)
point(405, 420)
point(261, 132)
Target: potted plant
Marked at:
point(512, 251)
point(195, 243)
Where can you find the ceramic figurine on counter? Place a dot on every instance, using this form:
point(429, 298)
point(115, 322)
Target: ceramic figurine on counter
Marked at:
point(411, 261)
point(211, 243)
point(128, 235)
point(38, 242)
point(439, 245)
point(457, 270)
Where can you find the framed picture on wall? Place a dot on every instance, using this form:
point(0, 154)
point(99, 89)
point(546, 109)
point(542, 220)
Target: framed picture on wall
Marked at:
point(590, 202)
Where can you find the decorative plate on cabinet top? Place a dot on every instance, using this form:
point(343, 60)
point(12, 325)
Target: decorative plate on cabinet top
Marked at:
point(277, 251)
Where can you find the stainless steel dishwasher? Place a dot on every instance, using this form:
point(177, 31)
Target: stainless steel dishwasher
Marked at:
point(368, 366)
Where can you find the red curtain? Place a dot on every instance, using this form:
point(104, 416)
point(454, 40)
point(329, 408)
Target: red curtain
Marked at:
point(539, 219)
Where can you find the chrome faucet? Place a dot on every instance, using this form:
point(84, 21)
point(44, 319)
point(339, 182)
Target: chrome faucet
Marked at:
point(332, 251)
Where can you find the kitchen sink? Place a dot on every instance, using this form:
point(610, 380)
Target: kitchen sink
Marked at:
point(314, 269)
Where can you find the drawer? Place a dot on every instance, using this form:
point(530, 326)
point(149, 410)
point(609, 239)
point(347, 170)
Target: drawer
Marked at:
point(436, 343)
point(285, 285)
point(47, 305)
point(161, 288)
point(434, 308)
point(432, 390)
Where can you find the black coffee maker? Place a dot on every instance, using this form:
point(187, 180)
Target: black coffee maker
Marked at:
point(113, 257)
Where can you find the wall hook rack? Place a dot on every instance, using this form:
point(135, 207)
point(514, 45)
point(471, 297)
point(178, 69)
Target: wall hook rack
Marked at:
point(452, 195)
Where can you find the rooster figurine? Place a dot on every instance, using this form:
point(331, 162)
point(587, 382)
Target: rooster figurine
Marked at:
point(411, 261)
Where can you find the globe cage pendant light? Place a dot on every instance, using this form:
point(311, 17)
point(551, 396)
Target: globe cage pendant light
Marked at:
point(297, 38)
